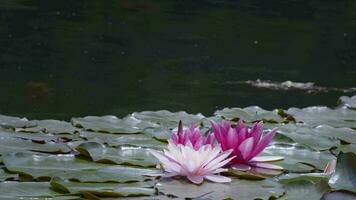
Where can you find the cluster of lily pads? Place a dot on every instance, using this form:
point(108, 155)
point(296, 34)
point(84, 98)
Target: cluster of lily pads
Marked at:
point(111, 158)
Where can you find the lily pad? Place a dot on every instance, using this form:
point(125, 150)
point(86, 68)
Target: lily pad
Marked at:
point(250, 114)
point(30, 190)
point(344, 177)
point(349, 102)
point(5, 176)
point(15, 122)
point(345, 134)
point(168, 119)
point(126, 155)
point(104, 189)
point(111, 124)
point(339, 195)
point(304, 189)
point(38, 137)
point(8, 145)
point(308, 136)
point(50, 126)
point(294, 154)
point(115, 140)
point(237, 189)
point(69, 167)
point(318, 115)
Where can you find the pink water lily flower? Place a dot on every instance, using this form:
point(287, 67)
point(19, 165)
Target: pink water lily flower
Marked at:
point(192, 135)
point(195, 164)
point(245, 143)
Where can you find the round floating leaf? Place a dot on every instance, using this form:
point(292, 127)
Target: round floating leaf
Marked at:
point(344, 134)
point(30, 190)
point(168, 119)
point(315, 116)
point(339, 195)
point(122, 155)
point(307, 136)
point(5, 176)
point(50, 126)
point(104, 189)
point(8, 145)
point(349, 102)
point(304, 189)
point(346, 148)
point(111, 124)
point(139, 140)
point(250, 114)
point(295, 154)
point(69, 167)
point(38, 137)
point(15, 122)
point(237, 189)
point(344, 177)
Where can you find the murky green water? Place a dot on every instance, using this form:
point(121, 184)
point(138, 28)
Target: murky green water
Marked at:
point(73, 58)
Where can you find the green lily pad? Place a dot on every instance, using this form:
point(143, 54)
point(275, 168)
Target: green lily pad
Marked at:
point(304, 189)
point(104, 189)
point(315, 116)
point(8, 145)
point(15, 122)
point(349, 102)
point(115, 140)
point(344, 134)
point(126, 155)
point(344, 177)
point(37, 137)
point(69, 167)
point(339, 195)
point(111, 124)
point(5, 176)
point(168, 119)
point(30, 190)
point(250, 114)
point(50, 126)
point(312, 177)
point(237, 189)
point(294, 154)
point(308, 136)
point(160, 133)
point(346, 148)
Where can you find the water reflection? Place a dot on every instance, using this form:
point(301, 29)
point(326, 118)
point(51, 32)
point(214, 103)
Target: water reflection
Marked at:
point(70, 58)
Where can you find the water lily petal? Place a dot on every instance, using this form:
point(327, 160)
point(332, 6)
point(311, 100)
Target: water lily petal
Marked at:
point(196, 179)
point(263, 143)
point(246, 147)
point(241, 167)
point(267, 158)
point(266, 165)
point(218, 178)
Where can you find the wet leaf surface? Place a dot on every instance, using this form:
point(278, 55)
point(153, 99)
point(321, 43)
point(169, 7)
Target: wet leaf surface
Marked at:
point(107, 158)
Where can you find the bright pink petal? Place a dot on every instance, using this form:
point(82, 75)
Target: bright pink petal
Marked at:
point(263, 143)
point(246, 147)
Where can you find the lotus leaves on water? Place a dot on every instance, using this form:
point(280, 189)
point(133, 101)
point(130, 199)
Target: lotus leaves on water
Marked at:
point(100, 157)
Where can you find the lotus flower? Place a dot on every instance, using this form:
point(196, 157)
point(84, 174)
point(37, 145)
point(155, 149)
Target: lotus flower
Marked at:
point(246, 144)
point(192, 135)
point(196, 164)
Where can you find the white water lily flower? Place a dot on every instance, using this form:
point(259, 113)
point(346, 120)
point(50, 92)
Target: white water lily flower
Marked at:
point(197, 165)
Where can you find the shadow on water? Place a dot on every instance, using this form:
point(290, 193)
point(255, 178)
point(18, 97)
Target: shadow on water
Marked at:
point(69, 58)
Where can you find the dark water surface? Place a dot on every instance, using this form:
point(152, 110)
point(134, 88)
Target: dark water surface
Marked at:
point(63, 58)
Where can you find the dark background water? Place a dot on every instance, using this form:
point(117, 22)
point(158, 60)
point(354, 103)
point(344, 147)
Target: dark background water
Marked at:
point(63, 58)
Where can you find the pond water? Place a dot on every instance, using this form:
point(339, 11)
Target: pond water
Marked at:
point(67, 58)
